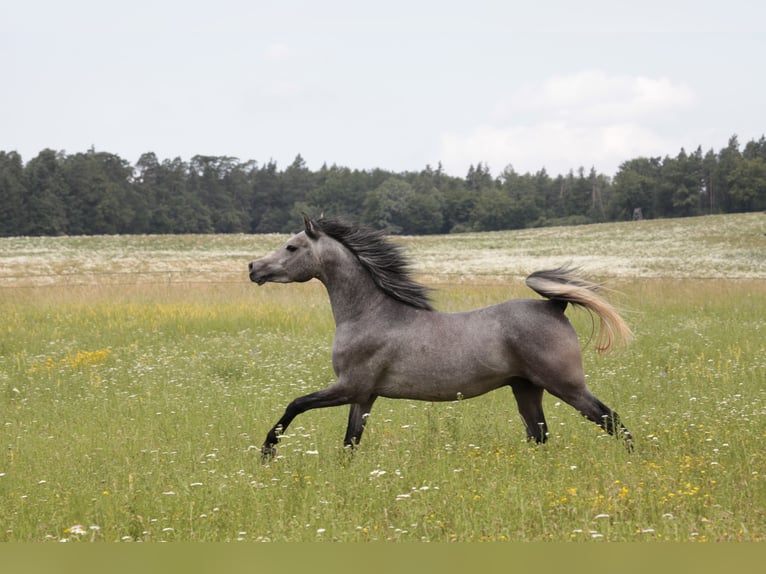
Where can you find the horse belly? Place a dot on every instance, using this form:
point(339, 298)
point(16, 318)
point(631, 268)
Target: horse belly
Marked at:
point(434, 372)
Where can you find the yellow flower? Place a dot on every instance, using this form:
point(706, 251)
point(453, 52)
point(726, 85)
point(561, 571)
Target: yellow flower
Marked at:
point(623, 492)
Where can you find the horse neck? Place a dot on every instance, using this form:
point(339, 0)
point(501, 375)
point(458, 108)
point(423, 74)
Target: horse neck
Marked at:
point(351, 289)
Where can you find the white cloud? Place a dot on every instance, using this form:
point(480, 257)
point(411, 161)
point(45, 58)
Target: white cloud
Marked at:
point(592, 95)
point(585, 119)
point(276, 52)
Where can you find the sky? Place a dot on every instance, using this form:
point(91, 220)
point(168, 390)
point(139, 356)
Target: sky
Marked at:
point(396, 85)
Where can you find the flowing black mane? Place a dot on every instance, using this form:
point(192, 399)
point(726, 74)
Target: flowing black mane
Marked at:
point(385, 261)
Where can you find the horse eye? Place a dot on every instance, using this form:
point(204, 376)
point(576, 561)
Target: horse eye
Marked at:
point(291, 248)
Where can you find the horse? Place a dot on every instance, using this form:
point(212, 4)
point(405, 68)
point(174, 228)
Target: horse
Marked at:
point(390, 341)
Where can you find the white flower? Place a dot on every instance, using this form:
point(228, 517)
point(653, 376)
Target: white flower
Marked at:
point(76, 530)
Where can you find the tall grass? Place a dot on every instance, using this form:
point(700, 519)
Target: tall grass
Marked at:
point(135, 412)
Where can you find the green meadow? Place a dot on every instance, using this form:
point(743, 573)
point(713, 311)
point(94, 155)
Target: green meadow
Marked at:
point(139, 376)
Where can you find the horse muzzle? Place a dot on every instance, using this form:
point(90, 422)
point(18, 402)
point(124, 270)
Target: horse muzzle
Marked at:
point(258, 273)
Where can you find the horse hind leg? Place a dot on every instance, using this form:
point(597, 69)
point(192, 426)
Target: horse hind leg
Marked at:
point(596, 411)
point(529, 399)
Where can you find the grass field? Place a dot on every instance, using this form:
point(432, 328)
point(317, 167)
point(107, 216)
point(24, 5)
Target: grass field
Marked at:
point(139, 375)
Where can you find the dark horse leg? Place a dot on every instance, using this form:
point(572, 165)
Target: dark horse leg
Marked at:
point(596, 411)
point(530, 401)
point(357, 419)
point(332, 396)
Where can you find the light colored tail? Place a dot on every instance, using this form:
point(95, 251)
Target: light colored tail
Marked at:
point(565, 285)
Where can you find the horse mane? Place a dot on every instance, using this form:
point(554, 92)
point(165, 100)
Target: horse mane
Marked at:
point(384, 261)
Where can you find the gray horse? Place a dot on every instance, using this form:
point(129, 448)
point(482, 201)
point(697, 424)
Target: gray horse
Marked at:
point(390, 342)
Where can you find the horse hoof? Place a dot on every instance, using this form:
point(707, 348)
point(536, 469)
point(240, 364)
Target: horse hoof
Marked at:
point(268, 453)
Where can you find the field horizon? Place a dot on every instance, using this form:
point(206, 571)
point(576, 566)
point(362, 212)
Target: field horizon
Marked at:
point(729, 246)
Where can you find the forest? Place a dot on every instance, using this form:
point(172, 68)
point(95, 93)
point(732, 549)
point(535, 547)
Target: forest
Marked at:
point(96, 192)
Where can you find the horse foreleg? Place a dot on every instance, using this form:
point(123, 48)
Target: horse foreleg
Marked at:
point(357, 420)
point(329, 397)
point(530, 401)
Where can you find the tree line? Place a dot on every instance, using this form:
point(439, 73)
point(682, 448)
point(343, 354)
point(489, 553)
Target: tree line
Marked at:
point(95, 192)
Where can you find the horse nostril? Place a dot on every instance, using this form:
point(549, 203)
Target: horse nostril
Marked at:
point(250, 267)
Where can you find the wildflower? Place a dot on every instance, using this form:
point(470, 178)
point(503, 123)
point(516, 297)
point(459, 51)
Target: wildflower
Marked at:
point(623, 492)
point(76, 530)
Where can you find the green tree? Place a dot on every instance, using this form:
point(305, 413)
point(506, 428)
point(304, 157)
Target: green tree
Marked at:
point(385, 207)
point(681, 184)
point(494, 210)
point(496, 207)
point(755, 149)
point(45, 210)
point(424, 210)
point(338, 191)
point(459, 202)
point(220, 184)
point(174, 205)
point(266, 206)
point(100, 195)
point(478, 178)
point(729, 159)
point(600, 189)
point(281, 205)
point(634, 188)
point(747, 185)
point(709, 182)
point(12, 191)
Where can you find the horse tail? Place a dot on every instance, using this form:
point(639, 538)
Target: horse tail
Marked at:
point(565, 286)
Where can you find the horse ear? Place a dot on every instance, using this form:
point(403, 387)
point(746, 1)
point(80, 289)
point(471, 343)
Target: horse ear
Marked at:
point(311, 231)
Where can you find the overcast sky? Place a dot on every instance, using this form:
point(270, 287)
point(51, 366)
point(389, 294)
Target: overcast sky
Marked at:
point(395, 84)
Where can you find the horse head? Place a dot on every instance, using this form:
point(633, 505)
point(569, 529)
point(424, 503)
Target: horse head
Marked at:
point(294, 262)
